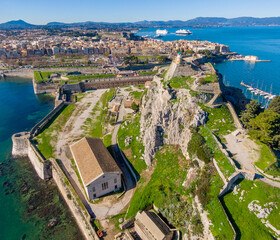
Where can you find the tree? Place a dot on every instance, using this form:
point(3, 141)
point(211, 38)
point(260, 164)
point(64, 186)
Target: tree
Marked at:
point(190, 52)
point(275, 105)
point(266, 128)
point(162, 59)
point(134, 107)
point(207, 53)
point(252, 110)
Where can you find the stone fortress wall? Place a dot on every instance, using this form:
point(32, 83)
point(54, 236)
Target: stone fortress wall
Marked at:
point(91, 84)
point(24, 147)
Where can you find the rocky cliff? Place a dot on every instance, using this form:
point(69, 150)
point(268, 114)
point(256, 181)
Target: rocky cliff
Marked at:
point(166, 118)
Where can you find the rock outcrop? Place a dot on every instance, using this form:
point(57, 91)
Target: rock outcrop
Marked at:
point(166, 118)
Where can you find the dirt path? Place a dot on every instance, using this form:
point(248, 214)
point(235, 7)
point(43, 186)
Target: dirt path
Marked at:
point(72, 131)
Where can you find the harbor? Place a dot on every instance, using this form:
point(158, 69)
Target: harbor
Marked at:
point(252, 59)
point(259, 92)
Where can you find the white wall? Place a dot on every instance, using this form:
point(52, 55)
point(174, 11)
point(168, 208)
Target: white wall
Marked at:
point(107, 177)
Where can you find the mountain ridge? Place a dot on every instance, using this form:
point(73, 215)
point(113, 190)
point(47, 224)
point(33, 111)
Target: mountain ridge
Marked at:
point(196, 22)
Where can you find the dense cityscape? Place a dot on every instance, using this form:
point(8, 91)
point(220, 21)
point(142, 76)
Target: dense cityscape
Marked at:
point(118, 128)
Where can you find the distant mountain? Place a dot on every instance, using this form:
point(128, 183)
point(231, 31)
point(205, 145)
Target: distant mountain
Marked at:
point(16, 24)
point(240, 21)
point(55, 24)
point(196, 22)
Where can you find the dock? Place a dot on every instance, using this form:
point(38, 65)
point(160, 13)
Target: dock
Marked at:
point(258, 91)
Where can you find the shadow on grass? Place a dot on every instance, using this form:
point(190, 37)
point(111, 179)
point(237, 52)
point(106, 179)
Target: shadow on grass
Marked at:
point(233, 223)
point(230, 218)
point(117, 154)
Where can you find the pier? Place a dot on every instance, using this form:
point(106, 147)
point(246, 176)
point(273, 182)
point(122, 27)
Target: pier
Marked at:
point(258, 91)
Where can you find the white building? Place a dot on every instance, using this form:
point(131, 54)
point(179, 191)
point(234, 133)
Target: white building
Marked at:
point(99, 172)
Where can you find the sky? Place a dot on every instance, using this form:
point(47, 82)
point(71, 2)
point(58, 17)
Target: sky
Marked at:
point(44, 11)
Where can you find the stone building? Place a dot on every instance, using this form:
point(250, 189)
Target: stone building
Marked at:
point(99, 172)
point(149, 226)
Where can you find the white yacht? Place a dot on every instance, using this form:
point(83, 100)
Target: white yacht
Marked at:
point(160, 32)
point(183, 32)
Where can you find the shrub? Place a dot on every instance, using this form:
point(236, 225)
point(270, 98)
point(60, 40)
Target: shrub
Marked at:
point(197, 147)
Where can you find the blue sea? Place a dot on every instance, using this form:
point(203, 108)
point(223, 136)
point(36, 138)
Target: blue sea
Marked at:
point(20, 109)
point(263, 42)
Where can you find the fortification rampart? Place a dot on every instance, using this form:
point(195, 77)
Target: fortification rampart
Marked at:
point(44, 87)
point(91, 84)
point(23, 147)
point(40, 125)
point(81, 216)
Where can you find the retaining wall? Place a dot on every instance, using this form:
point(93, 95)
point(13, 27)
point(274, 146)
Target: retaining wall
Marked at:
point(81, 216)
point(23, 147)
point(229, 186)
point(40, 125)
point(237, 122)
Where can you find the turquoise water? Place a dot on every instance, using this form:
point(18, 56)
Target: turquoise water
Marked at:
point(263, 42)
point(20, 109)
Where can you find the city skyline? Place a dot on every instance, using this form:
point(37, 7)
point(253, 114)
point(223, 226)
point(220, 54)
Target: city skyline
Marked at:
point(127, 11)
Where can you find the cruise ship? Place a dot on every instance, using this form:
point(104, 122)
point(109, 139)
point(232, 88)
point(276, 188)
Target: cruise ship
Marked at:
point(160, 32)
point(183, 32)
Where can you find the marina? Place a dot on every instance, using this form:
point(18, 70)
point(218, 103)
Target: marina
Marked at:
point(257, 91)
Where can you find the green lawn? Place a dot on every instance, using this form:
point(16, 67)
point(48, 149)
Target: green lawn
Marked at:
point(267, 158)
point(221, 228)
point(136, 148)
point(249, 224)
point(107, 140)
point(95, 125)
point(147, 73)
point(146, 57)
point(165, 183)
point(83, 77)
point(180, 82)
point(219, 119)
point(43, 76)
point(211, 78)
point(222, 161)
point(47, 139)
point(136, 95)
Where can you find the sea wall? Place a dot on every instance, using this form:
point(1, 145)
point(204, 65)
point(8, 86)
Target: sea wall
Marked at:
point(20, 73)
point(23, 147)
point(20, 144)
point(44, 87)
point(41, 166)
point(79, 212)
point(40, 125)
